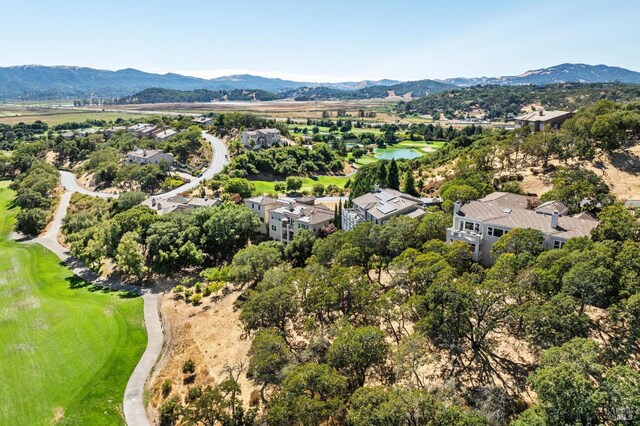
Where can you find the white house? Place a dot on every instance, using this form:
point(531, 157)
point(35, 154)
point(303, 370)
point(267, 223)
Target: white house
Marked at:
point(481, 222)
point(381, 205)
point(142, 129)
point(202, 120)
point(164, 134)
point(149, 156)
point(259, 139)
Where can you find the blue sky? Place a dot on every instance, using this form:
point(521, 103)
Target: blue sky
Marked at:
point(325, 40)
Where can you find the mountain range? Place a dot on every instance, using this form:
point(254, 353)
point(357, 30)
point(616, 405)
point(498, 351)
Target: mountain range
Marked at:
point(30, 82)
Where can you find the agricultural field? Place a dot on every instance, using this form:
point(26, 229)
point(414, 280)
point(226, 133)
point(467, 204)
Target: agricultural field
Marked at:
point(67, 349)
point(264, 186)
point(355, 130)
point(12, 114)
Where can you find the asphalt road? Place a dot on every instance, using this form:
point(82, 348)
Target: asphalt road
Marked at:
point(218, 160)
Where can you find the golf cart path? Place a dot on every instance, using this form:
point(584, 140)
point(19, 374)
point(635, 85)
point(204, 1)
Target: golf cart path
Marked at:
point(133, 404)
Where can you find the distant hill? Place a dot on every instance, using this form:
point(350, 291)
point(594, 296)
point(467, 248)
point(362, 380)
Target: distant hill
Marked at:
point(29, 82)
point(58, 82)
point(564, 73)
point(155, 95)
point(502, 102)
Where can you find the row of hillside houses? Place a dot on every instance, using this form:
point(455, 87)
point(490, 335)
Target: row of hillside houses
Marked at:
point(146, 130)
point(481, 222)
point(255, 140)
point(282, 218)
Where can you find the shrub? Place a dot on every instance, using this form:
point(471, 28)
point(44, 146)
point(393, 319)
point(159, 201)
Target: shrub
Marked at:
point(196, 299)
point(189, 366)
point(166, 387)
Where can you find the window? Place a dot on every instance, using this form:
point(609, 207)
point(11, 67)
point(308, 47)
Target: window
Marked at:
point(470, 226)
point(496, 232)
point(273, 228)
point(290, 235)
point(557, 244)
point(262, 219)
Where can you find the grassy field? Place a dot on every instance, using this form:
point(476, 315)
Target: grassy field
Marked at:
point(354, 130)
point(264, 186)
point(67, 350)
point(53, 116)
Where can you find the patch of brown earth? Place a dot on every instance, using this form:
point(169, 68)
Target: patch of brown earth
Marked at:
point(211, 334)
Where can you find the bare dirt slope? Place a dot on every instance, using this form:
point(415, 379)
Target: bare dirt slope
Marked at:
point(621, 171)
point(210, 334)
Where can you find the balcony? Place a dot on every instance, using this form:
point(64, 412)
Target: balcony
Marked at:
point(469, 237)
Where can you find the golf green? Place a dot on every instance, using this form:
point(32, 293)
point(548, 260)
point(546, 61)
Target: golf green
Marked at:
point(67, 349)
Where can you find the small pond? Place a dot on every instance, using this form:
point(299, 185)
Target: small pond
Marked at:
point(396, 154)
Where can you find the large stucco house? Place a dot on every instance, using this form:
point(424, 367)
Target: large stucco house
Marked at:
point(149, 156)
point(540, 120)
point(481, 222)
point(260, 139)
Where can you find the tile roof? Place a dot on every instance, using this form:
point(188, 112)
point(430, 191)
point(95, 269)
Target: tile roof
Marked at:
point(489, 210)
point(543, 115)
point(386, 202)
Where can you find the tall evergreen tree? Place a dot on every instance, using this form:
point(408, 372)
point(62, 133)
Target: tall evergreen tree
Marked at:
point(382, 174)
point(409, 186)
point(393, 179)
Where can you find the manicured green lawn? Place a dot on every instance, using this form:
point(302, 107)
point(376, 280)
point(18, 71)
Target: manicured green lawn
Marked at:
point(66, 350)
point(263, 186)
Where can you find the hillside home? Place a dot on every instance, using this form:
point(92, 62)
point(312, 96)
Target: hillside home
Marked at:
point(110, 131)
point(142, 129)
point(179, 203)
point(202, 120)
point(163, 134)
point(381, 205)
point(260, 139)
point(261, 206)
point(481, 222)
point(540, 120)
point(149, 156)
point(285, 221)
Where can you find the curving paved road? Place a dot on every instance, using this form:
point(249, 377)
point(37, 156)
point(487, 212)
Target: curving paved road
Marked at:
point(133, 405)
point(218, 160)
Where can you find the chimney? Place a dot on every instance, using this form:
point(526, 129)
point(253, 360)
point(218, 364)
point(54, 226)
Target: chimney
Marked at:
point(153, 202)
point(541, 112)
point(376, 187)
point(554, 219)
point(456, 207)
point(159, 206)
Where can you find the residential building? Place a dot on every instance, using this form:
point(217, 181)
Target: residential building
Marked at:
point(202, 120)
point(261, 206)
point(481, 222)
point(381, 205)
point(540, 120)
point(164, 134)
point(142, 129)
point(149, 156)
point(259, 139)
point(285, 221)
point(179, 203)
point(110, 131)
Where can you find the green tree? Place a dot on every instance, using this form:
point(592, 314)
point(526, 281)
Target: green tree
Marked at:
point(617, 224)
point(269, 355)
point(239, 186)
point(310, 395)
point(250, 264)
point(580, 189)
point(293, 183)
point(409, 186)
point(519, 241)
point(355, 351)
point(129, 258)
point(300, 248)
point(31, 221)
point(393, 178)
